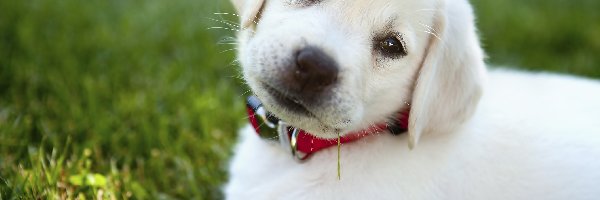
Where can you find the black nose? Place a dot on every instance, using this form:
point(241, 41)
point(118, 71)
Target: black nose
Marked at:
point(313, 73)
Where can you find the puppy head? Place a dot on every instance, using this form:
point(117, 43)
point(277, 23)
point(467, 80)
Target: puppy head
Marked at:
point(332, 67)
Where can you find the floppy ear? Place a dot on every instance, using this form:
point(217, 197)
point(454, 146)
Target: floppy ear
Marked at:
point(248, 10)
point(452, 73)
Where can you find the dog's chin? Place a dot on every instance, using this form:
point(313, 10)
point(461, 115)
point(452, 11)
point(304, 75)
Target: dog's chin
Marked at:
point(313, 119)
point(314, 126)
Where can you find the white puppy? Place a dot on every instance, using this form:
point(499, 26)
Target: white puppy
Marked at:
point(333, 67)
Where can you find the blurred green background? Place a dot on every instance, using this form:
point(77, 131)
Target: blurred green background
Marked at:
point(138, 99)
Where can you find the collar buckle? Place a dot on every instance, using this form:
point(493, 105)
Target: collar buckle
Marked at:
point(288, 138)
point(271, 128)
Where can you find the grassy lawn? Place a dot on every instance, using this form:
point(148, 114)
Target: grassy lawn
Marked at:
point(138, 100)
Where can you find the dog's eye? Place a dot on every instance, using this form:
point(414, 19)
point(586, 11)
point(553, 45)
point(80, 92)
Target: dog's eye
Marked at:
point(391, 46)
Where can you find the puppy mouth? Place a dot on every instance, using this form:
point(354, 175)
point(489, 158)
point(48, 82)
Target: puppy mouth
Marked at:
point(291, 104)
point(296, 107)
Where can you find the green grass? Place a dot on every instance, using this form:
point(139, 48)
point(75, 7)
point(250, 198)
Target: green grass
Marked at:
point(549, 35)
point(134, 99)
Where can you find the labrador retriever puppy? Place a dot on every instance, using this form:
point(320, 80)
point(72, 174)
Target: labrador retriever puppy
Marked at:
point(402, 86)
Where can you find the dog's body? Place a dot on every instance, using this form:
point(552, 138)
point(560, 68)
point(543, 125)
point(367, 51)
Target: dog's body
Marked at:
point(532, 137)
point(506, 135)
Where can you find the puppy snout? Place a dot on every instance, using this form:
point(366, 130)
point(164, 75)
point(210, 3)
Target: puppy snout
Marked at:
point(313, 72)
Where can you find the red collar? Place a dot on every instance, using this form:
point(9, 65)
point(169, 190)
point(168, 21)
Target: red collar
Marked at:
point(303, 144)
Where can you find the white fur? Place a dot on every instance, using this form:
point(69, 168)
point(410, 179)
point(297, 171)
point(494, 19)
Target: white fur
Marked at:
point(526, 136)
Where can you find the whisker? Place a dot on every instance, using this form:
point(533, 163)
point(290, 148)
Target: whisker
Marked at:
point(431, 33)
point(228, 39)
point(235, 63)
point(254, 20)
point(243, 94)
point(231, 25)
point(225, 28)
point(227, 14)
point(429, 28)
point(232, 49)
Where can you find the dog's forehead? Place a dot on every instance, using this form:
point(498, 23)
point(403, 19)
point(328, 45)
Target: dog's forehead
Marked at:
point(375, 11)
